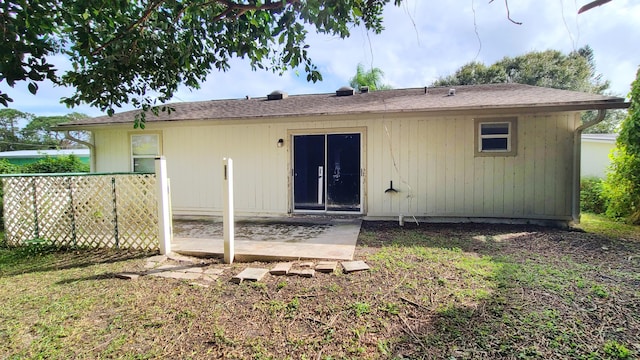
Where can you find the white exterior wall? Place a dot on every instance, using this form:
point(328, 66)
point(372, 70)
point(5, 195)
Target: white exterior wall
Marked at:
point(594, 157)
point(431, 161)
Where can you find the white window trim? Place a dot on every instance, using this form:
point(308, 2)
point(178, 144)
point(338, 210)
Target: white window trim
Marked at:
point(133, 157)
point(511, 136)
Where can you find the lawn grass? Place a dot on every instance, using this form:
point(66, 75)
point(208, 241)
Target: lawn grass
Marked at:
point(433, 291)
point(602, 225)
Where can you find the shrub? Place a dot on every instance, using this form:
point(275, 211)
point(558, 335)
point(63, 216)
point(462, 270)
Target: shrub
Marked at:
point(592, 198)
point(622, 186)
point(62, 164)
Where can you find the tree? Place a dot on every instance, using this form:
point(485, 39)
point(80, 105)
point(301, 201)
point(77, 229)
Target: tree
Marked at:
point(622, 186)
point(9, 129)
point(371, 78)
point(40, 131)
point(139, 52)
point(551, 68)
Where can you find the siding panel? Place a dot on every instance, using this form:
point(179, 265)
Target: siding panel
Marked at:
point(431, 161)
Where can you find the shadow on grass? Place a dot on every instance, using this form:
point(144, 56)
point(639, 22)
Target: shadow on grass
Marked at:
point(16, 261)
point(517, 291)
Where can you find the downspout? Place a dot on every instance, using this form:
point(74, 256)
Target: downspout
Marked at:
point(92, 148)
point(577, 147)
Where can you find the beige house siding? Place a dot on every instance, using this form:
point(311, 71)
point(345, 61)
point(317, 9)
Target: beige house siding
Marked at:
point(431, 161)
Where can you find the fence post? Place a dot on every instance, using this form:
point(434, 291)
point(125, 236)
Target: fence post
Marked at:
point(228, 210)
point(162, 196)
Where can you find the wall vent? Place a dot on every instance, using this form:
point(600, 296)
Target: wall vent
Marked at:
point(277, 95)
point(345, 91)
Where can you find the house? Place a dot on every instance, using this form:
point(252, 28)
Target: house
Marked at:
point(22, 157)
point(596, 149)
point(504, 152)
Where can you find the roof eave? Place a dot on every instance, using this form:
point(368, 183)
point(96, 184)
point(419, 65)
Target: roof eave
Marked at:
point(463, 110)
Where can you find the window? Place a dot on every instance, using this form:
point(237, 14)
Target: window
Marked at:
point(496, 137)
point(144, 150)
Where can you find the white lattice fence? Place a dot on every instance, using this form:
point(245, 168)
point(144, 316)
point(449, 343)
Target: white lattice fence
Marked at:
point(94, 210)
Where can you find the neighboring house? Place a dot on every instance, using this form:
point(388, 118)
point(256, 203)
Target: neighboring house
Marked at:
point(22, 157)
point(503, 152)
point(595, 154)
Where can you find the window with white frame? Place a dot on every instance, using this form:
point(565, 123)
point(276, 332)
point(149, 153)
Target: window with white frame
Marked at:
point(496, 137)
point(144, 149)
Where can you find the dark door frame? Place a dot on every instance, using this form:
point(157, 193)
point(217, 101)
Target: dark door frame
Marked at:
point(326, 132)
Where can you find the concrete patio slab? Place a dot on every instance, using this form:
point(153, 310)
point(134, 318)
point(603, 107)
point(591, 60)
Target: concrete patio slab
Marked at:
point(271, 238)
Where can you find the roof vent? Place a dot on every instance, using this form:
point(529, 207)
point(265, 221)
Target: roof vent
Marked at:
point(345, 91)
point(364, 89)
point(277, 95)
point(452, 92)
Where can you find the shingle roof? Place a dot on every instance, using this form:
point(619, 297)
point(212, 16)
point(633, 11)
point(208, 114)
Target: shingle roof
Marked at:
point(474, 97)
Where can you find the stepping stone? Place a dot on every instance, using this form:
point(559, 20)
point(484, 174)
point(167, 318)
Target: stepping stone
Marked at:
point(306, 264)
point(281, 268)
point(214, 271)
point(209, 278)
point(195, 284)
point(150, 265)
point(182, 258)
point(307, 273)
point(326, 266)
point(127, 276)
point(250, 274)
point(197, 270)
point(157, 258)
point(167, 267)
point(177, 275)
point(351, 266)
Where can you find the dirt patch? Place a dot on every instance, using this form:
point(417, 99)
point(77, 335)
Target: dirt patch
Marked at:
point(464, 291)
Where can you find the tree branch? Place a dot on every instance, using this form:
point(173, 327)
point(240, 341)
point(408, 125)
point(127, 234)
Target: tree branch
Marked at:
point(230, 7)
point(142, 19)
point(506, 4)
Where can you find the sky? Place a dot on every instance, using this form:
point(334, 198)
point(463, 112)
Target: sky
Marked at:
point(423, 40)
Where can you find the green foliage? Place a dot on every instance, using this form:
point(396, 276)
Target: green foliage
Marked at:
point(62, 164)
point(371, 78)
point(119, 60)
point(7, 168)
point(605, 226)
point(591, 195)
point(615, 350)
point(38, 133)
point(622, 186)
point(609, 125)
point(551, 68)
point(9, 130)
point(361, 308)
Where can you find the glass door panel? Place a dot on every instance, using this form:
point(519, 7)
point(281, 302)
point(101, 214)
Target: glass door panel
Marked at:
point(308, 172)
point(343, 172)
